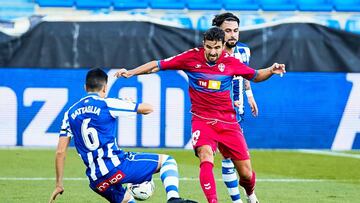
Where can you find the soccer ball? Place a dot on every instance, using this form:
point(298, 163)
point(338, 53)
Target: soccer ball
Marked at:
point(142, 191)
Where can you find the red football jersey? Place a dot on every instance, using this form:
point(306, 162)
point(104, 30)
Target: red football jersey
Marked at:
point(210, 85)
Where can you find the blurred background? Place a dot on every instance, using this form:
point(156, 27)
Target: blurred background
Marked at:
point(47, 46)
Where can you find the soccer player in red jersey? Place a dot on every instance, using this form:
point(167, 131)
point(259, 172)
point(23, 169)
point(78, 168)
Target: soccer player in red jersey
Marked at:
point(230, 24)
point(214, 125)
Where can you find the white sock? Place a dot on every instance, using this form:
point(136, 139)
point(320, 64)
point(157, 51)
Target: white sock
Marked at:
point(170, 177)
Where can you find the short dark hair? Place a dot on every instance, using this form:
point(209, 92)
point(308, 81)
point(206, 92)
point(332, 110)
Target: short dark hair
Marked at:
point(219, 19)
point(96, 79)
point(214, 34)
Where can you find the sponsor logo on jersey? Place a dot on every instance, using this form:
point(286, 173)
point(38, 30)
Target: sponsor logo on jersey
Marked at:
point(210, 84)
point(198, 66)
point(221, 67)
point(116, 178)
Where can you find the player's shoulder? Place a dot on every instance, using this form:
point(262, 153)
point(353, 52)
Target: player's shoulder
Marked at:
point(91, 99)
point(242, 45)
point(184, 55)
point(228, 58)
point(193, 51)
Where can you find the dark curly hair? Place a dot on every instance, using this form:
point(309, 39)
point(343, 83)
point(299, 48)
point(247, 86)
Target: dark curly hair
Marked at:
point(219, 19)
point(214, 34)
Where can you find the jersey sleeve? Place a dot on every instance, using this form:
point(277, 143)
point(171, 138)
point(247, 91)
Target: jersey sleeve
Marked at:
point(175, 62)
point(244, 71)
point(119, 107)
point(65, 127)
point(236, 89)
point(248, 55)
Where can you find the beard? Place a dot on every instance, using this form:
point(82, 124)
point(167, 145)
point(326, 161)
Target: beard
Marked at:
point(230, 46)
point(213, 59)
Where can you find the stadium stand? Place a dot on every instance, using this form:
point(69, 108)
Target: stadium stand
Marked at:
point(92, 4)
point(353, 25)
point(204, 4)
point(183, 20)
point(315, 5)
point(204, 22)
point(231, 5)
point(130, 4)
point(167, 4)
point(282, 16)
point(55, 3)
point(244, 5)
point(10, 9)
point(197, 14)
point(246, 20)
point(347, 5)
point(328, 21)
point(278, 5)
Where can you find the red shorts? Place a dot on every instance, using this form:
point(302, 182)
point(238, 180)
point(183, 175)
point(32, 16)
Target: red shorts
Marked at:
point(225, 136)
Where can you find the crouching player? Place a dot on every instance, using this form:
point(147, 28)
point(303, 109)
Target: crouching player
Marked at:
point(91, 123)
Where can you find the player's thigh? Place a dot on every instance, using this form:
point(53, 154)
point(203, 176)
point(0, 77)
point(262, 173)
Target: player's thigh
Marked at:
point(232, 143)
point(139, 167)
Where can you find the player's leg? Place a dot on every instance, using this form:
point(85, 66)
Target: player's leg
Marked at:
point(205, 145)
point(147, 164)
point(234, 146)
point(128, 198)
point(230, 179)
point(247, 178)
point(169, 176)
point(206, 176)
point(112, 193)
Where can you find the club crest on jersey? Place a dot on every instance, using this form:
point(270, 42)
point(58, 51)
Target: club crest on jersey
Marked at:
point(221, 67)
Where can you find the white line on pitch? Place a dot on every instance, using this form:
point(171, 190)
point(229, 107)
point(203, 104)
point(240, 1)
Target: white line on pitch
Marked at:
point(330, 153)
point(181, 179)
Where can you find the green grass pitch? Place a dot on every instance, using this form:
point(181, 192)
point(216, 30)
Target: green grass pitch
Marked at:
point(27, 175)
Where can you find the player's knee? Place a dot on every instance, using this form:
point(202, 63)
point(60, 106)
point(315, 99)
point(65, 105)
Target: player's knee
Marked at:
point(245, 174)
point(205, 154)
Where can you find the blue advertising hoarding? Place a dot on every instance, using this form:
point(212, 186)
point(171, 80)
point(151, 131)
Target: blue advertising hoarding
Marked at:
point(299, 110)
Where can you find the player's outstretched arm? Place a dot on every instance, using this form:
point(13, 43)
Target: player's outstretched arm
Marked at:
point(250, 98)
point(59, 167)
point(145, 108)
point(150, 67)
point(264, 74)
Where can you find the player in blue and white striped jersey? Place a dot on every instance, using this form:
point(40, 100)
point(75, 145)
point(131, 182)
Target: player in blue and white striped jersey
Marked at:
point(230, 24)
point(90, 122)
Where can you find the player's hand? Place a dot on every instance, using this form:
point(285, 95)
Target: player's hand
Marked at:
point(58, 190)
point(253, 106)
point(123, 73)
point(237, 103)
point(277, 68)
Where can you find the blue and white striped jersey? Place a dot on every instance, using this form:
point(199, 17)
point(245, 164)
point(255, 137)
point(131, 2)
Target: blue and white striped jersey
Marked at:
point(241, 52)
point(91, 123)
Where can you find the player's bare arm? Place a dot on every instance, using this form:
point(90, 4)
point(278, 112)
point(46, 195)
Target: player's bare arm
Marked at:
point(145, 108)
point(264, 74)
point(150, 67)
point(250, 98)
point(59, 166)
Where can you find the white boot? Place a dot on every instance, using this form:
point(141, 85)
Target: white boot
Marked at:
point(252, 198)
